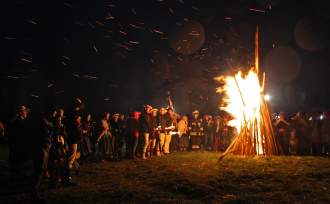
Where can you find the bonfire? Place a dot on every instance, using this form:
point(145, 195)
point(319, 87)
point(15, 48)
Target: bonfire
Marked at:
point(244, 100)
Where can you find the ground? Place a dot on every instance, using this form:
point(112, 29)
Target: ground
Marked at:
point(196, 177)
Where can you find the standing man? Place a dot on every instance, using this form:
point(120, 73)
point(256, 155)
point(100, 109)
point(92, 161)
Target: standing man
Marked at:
point(116, 140)
point(122, 127)
point(86, 144)
point(165, 125)
point(19, 129)
point(146, 128)
point(281, 131)
point(196, 131)
point(40, 148)
point(133, 133)
point(174, 143)
point(57, 153)
point(75, 134)
point(155, 132)
point(208, 132)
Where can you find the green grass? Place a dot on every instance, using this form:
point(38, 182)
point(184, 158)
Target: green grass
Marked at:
point(196, 177)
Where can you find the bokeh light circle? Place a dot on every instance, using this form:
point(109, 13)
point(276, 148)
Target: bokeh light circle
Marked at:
point(188, 37)
point(310, 33)
point(282, 64)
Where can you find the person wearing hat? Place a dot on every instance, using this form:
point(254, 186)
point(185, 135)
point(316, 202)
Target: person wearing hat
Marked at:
point(154, 135)
point(146, 128)
point(165, 125)
point(196, 131)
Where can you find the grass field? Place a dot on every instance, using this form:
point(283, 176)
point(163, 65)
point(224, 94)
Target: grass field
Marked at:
point(196, 177)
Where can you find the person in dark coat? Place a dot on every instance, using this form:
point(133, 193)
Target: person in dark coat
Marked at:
point(19, 142)
point(146, 128)
point(75, 133)
point(219, 127)
point(44, 131)
point(86, 145)
point(103, 141)
point(174, 142)
point(281, 132)
point(196, 131)
point(74, 137)
point(151, 150)
point(116, 139)
point(208, 126)
point(57, 155)
point(123, 133)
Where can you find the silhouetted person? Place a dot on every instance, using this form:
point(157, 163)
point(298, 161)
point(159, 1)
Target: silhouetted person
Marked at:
point(43, 132)
point(57, 154)
point(19, 142)
point(281, 128)
point(86, 144)
point(133, 133)
point(116, 140)
point(146, 128)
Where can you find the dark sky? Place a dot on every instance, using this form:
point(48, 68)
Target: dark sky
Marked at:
point(117, 54)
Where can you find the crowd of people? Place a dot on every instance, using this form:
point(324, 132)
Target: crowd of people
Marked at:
point(59, 141)
point(302, 133)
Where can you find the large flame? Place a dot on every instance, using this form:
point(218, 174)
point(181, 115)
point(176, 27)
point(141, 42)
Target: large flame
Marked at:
point(243, 98)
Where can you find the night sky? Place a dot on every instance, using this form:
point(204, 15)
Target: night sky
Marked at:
point(117, 55)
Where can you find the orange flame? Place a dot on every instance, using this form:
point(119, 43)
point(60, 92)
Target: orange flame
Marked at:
point(244, 100)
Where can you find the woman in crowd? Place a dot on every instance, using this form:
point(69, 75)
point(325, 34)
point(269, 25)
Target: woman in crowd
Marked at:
point(103, 139)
